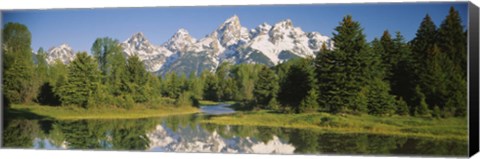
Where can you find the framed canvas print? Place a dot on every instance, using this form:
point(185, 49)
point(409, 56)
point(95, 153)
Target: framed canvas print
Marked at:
point(358, 79)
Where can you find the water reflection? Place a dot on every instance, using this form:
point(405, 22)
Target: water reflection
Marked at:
point(187, 134)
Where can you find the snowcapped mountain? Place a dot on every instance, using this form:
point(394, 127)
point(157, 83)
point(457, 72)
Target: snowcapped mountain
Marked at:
point(64, 53)
point(192, 140)
point(230, 42)
point(152, 56)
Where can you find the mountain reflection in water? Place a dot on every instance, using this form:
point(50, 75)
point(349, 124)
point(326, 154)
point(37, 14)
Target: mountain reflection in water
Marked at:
point(187, 134)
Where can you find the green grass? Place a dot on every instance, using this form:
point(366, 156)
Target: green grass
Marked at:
point(451, 128)
point(210, 103)
point(73, 112)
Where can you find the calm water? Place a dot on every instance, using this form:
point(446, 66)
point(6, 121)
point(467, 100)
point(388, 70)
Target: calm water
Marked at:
point(187, 134)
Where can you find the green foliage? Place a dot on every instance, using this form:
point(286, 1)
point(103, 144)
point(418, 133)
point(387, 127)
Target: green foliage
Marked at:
point(18, 67)
point(82, 83)
point(102, 50)
point(186, 99)
point(299, 82)
point(245, 76)
point(452, 40)
point(421, 107)
point(226, 85)
point(136, 79)
point(309, 104)
point(344, 71)
point(266, 89)
point(402, 107)
point(380, 102)
point(20, 133)
point(172, 85)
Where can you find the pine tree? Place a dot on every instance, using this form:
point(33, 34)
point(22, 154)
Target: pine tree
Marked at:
point(421, 107)
point(388, 57)
point(452, 40)
point(299, 83)
point(266, 88)
point(424, 40)
point(380, 102)
point(83, 82)
point(309, 104)
point(344, 71)
point(211, 86)
point(435, 78)
point(137, 79)
point(402, 107)
point(403, 79)
point(18, 67)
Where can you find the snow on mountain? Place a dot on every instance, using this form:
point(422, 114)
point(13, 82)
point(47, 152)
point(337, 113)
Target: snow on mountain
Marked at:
point(181, 42)
point(197, 140)
point(231, 32)
point(152, 56)
point(63, 53)
point(230, 42)
point(282, 41)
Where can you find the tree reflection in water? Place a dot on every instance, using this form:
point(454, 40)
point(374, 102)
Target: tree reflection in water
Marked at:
point(186, 131)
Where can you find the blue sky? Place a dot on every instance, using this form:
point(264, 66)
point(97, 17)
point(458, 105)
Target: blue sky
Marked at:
point(80, 27)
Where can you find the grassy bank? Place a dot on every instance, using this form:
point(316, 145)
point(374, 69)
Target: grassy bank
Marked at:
point(210, 103)
point(451, 128)
point(72, 112)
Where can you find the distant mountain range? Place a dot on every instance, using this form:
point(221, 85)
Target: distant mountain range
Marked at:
point(230, 42)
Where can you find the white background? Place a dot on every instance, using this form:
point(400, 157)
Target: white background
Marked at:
point(71, 154)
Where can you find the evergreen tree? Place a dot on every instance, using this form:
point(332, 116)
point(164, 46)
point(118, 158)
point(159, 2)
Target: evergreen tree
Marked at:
point(309, 104)
point(211, 86)
point(266, 88)
point(137, 79)
point(83, 82)
point(402, 107)
point(435, 78)
point(172, 85)
point(300, 86)
point(344, 71)
point(388, 57)
point(18, 67)
point(403, 80)
point(380, 102)
point(452, 40)
point(421, 107)
point(424, 40)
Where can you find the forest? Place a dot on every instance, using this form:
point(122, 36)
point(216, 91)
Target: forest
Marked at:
point(424, 77)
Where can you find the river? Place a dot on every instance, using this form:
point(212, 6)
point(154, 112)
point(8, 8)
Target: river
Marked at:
point(186, 133)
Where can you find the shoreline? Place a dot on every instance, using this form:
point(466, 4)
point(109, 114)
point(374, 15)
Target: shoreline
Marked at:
point(73, 113)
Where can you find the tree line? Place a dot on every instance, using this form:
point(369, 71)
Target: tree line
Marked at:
point(423, 77)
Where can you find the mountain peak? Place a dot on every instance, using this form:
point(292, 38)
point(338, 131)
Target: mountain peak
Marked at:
point(233, 18)
point(180, 41)
point(287, 23)
point(63, 52)
point(231, 31)
point(182, 33)
point(137, 37)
